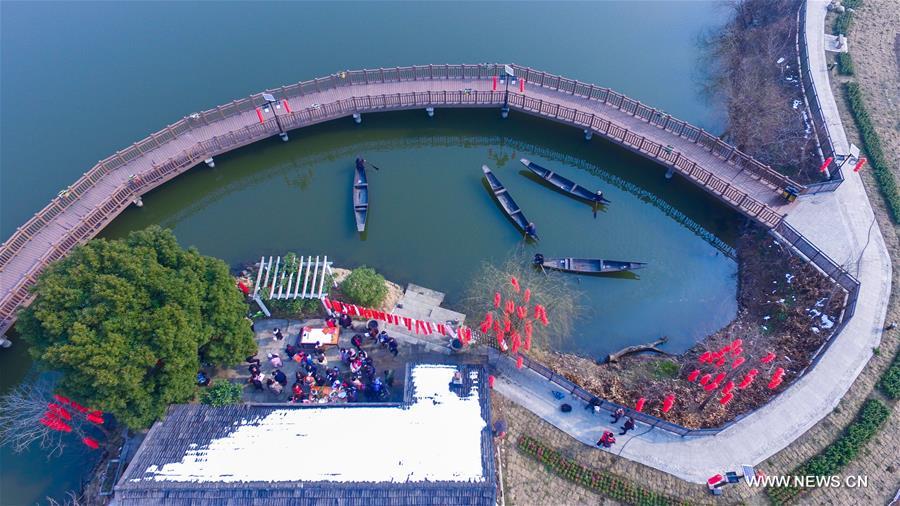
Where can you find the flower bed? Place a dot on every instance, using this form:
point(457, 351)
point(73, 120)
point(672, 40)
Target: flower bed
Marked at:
point(600, 482)
point(840, 453)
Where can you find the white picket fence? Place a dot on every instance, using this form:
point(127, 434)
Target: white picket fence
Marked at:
point(305, 281)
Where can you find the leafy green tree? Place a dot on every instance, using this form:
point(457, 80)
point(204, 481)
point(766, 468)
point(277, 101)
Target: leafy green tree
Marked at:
point(365, 286)
point(127, 322)
point(222, 393)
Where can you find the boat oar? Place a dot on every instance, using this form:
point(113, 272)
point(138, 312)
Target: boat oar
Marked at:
point(373, 165)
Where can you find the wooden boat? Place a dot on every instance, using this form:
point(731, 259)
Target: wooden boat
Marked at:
point(567, 186)
point(509, 205)
point(360, 195)
point(586, 265)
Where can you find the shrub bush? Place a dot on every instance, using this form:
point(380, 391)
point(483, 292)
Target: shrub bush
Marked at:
point(840, 453)
point(872, 146)
point(222, 393)
point(845, 64)
point(365, 286)
point(599, 482)
point(890, 380)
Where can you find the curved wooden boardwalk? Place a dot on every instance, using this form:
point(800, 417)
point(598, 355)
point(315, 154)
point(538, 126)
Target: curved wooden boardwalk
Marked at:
point(82, 210)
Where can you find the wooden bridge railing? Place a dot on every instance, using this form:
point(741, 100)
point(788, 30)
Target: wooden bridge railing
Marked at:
point(139, 184)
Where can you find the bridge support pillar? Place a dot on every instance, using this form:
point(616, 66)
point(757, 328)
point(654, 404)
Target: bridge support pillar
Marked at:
point(138, 202)
point(670, 173)
point(209, 161)
point(504, 111)
point(283, 136)
point(4, 342)
point(357, 117)
point(429, 111)
point(588, 133)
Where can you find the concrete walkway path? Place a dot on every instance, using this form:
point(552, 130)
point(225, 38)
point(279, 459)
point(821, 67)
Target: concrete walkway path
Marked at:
point(840, 223)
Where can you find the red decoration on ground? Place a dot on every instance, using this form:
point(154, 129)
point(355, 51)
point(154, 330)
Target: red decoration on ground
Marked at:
point(63, 400)
point(720, 362)
point(668, 403)
point(515, 284)
point(520, 362)
point(711, 386)
point(728, 387)
point(705, 379)
point(510, 306)
point(91, 442)
point(639, 406)
point(497, 300)
point(719, 377)
point(693, 375)
point(737, 362)
point(746, 381)
point(527, 295)
point(491, 380)
point(527, 343)
point(726, 398)
point(768, 358)
point(737, 343)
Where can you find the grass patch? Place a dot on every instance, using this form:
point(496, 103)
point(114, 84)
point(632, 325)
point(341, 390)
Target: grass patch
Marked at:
point(662, 369)
point(845, 64)
point(872, 145)
point(840, 453)
point(600, 482)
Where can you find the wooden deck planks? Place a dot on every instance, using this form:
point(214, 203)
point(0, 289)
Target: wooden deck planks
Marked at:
point(62, 225)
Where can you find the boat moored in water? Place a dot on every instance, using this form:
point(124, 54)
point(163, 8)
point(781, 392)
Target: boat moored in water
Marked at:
point(586, 265)
point(360, 195)
point(567, 186)
point(509, 205)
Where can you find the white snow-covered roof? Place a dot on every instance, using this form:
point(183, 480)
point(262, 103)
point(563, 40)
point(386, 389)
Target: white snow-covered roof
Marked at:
point(437, 437)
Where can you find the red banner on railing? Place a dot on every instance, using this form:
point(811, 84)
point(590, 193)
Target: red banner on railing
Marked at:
point(423, 327)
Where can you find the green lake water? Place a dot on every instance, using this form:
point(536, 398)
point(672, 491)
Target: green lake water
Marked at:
point(81, 80)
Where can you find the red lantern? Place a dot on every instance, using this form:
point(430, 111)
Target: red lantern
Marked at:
point(737, 362)
point(711, 386)
point(724, 349)
point(693, 375)
point(720, 362)
point(61, 399)
point(639, 406)
point(528, 329)
point(746, 382)
point(497, 300)
point(520, 362)
point(91, 442)
point(736, 351)
point(668, 403)
point(484, 327)
point(728, 387)
point(510, 306)
point(507, 325)
point(774, 383)
point(726, 398)
point(753, 372)
point(527, 343)
point(491, 380)
point(737, 343)
point(521, 312)
point(719, 377)
point(527, 295)
point(705, 357)
point(768, 358)
point(705, 379)
point(59, 411)
point(515, 284)
point(544, 320)
point(516, 342)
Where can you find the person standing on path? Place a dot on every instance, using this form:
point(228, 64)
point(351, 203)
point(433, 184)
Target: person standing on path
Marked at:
point(629, 425)
point(618, 414)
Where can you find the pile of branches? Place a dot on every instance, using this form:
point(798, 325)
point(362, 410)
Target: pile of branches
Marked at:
point(752, 69)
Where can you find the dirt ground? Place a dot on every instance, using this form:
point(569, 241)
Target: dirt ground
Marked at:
point(786, 308)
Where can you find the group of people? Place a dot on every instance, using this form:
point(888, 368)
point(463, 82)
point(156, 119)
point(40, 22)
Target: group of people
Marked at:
point(608, 438)
point(316, 382)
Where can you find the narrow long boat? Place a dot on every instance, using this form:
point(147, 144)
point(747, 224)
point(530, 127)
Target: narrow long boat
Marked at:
point(509, 205)
point(567, 186)
point(586, 265)
point(360, 195)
